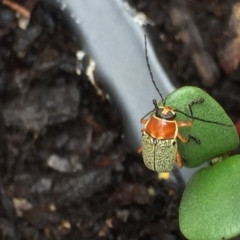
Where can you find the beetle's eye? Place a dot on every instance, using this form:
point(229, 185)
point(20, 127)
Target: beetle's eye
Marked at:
point(159, 112)
point(170, 115)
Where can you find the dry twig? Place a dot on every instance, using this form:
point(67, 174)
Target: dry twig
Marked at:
point(18, 8)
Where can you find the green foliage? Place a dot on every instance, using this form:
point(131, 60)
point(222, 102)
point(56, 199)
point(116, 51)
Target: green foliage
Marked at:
point(210, 206)
point(215, 139)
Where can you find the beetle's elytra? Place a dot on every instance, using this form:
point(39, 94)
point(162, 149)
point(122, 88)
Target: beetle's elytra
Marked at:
point(163, 152)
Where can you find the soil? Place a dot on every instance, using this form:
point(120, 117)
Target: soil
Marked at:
point(199, 41)
point(64, 171)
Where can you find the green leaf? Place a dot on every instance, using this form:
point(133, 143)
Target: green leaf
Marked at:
point(215, 139)
point(210, 206)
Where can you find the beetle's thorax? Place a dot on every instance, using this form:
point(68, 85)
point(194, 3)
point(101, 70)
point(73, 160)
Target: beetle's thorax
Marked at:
point(161, 128)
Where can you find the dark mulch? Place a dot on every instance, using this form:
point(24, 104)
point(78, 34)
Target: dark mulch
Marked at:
point(200, 44)
point(64, 171)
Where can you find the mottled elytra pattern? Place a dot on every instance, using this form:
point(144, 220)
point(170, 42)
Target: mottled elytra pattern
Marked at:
point(158, 155)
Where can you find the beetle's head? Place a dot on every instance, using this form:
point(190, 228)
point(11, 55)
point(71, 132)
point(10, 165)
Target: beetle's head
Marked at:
point(164, 112)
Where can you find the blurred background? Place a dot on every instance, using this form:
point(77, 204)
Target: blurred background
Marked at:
point(68, 169)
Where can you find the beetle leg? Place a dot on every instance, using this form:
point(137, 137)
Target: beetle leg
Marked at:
point(196, 101)
point(196, 140)
point(184, 140)
point(185, 162)
point(139, 150)
point(184, 123)
point(143, 130)
point(143, 121)
point(179, 160)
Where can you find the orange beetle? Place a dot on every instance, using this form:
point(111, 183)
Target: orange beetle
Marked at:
point(159, 145)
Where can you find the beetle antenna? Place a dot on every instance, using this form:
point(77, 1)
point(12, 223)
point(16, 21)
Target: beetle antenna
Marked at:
point(203, 120)
point(147, 114)
point(150, 71)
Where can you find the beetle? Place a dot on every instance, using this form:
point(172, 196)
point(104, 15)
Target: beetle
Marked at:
point(159, 135)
